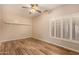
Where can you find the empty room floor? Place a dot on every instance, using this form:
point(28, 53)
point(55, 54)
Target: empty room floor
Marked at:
point(32, 46)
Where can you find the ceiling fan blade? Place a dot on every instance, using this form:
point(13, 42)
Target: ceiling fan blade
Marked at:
point(24, 7)
point(36, 4)
point(45, 11)
point(32, 5)
point(38, 11)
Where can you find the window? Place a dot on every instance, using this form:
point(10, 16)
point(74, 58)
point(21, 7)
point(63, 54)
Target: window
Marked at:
point(66, 28)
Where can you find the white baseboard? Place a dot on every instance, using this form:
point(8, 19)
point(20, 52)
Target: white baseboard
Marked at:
point(15, 39)
point(69, 48)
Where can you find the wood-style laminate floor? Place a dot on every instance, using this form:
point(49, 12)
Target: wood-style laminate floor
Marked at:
point(32, 46)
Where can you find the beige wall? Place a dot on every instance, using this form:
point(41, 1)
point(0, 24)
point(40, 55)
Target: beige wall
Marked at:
point(1, 22)
point(16, 24)
point(41, 26)
point(14, 13)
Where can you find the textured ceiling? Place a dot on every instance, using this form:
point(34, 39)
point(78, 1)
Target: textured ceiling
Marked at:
point(42, 7)
point(16, 9)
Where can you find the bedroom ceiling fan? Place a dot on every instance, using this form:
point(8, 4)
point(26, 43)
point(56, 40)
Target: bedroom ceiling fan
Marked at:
point(33, 8)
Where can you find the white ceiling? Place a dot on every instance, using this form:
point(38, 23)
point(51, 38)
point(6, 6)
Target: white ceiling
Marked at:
point(25, 11)
point(48, 6)
point(43, 7)
point(11, 12)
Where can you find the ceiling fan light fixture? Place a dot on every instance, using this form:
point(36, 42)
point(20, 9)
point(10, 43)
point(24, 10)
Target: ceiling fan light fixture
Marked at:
point(35, 7)
point(32, 10)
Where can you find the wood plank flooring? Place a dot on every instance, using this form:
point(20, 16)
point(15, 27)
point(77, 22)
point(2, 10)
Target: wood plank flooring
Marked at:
point(32, 46)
